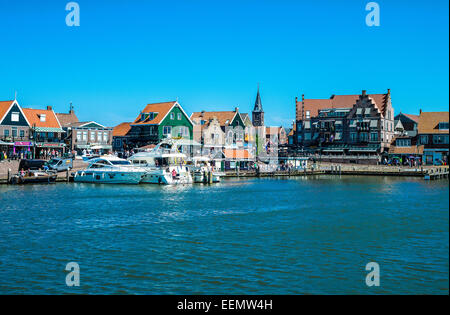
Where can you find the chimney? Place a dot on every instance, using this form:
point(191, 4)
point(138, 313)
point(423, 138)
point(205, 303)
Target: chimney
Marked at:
point(303, 106)
point(389, 91)
point(49, 108)
point(364, 92)
point(420, 111)
point(236, 109)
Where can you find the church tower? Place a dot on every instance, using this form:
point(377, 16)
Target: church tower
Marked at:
point(258, 113)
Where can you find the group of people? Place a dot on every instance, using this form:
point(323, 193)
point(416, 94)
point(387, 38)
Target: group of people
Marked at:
point(18, 155)
point(402, 161)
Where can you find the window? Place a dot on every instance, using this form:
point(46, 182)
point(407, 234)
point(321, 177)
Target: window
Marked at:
point(374, 136)
point(424, 139)
point(15, 117)
point(6, 132)
point(363, 136)
point(443, 125)
point(167, 130)
point(42, 117)
point(172, 116)
point(437, 139)
point(308, 114)
point(179, 116)
point(99, 136)
point(403, 142)
point(92, 135)
point(84, 135)
point(105, 136)
point(353, 136)
point(14, 132)
point(78, 135)
point(307, 136)
point(22, 133)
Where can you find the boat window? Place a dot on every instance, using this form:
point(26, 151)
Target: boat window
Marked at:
point(120, 162)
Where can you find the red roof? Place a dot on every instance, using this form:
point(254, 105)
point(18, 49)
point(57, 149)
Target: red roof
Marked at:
point(161, 108)
point(121, 130)
point(4, 106)
point(34, 118)
point(237, 154)
point(339, 101)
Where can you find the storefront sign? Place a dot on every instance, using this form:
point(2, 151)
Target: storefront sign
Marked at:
point(23, 144)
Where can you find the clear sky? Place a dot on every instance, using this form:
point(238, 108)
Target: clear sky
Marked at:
point(212, 54)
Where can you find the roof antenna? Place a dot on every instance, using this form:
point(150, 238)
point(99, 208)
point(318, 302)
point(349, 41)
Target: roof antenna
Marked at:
point(15, 95)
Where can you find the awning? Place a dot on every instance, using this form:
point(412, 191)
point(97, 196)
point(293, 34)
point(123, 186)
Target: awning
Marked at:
point(48, 129)
point(6, 143)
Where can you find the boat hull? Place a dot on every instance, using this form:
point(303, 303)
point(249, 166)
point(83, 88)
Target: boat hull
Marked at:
point(109, 177)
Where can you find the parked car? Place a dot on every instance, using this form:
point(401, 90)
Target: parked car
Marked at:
point(60, 164)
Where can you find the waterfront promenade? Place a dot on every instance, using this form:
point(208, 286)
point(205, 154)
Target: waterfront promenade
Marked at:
point(320, 168)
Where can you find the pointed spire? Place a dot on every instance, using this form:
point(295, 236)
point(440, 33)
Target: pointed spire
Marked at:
point(258, 105)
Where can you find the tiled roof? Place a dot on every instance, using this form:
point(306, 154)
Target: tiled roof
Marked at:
point(406, 150)
point(161, 108)
point(339, 101)
point(412, 117)
point(224, 118)
point(237, 154)
point(121, 130)
point(4, 106)
point(33, 117)
point(429, 122)
point(66, 120)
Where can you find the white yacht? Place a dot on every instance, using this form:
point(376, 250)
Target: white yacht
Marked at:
point(110, 170)
point(163, 165)
point(203, 171)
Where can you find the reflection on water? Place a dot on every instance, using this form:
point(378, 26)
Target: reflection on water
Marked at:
point(242, 236)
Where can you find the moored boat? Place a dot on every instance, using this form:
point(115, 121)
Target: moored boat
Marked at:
point(110, 170)
point(163, 165)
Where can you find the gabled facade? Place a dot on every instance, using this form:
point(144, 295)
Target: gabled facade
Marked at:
point(14, 126)
point(406, 124)
point(345, 124)
point(90, 136)
point(156, 122)
point(433, 134)
point(231, 123)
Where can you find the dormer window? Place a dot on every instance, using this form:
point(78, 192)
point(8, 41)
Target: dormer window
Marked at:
point(42, 117)
point(443, 125)
point(172, 116)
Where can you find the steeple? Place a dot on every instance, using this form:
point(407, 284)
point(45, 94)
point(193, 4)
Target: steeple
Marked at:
point(258, 113)
point(258, 104)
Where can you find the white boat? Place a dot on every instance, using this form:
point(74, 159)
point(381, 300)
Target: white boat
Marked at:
point(203, 171)
point(163, 165)
point(110, 170)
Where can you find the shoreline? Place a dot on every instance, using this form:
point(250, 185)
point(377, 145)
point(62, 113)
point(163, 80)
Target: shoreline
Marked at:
point(426, 172)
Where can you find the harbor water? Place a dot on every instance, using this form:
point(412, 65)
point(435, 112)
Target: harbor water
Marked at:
point(310, 235)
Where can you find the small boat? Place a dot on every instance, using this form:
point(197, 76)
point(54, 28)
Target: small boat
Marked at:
point(203, 171)
point(163, 165)
point(110, 170)
point(33, 177)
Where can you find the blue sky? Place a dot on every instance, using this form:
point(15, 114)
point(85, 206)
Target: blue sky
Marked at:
point(212, 54)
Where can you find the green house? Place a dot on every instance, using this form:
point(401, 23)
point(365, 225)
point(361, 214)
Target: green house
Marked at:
point(159, 121)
